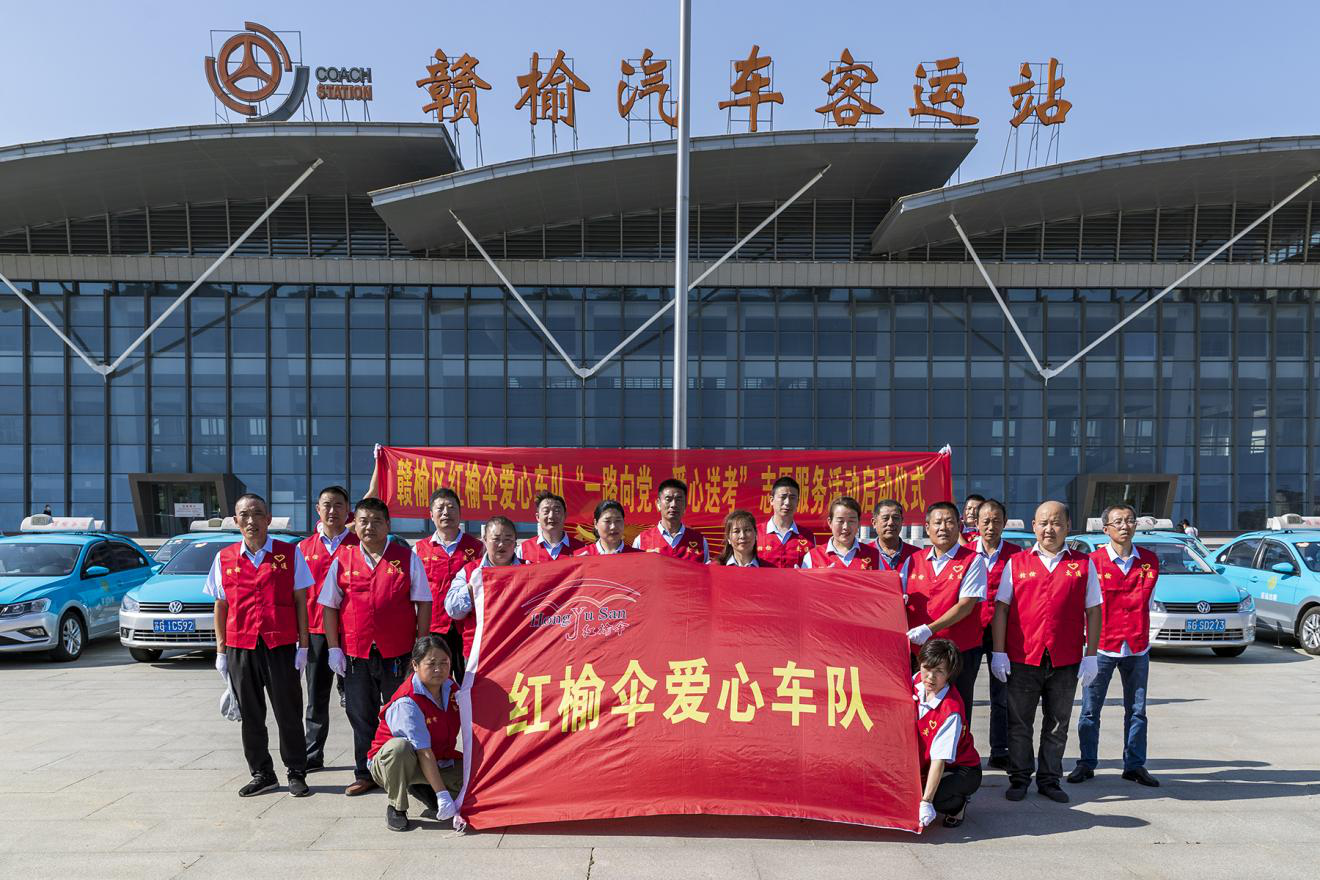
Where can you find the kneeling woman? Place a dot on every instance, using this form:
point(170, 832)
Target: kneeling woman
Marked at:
point(414, 749)
point(949, 761)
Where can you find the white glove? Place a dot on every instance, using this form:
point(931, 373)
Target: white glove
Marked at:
point(927, 814)
point(222, 664)
point(299, 660)
point(375, 451)
point(446, 808)
point(1000, 666)
point(1090, 667)
point(919, 635)
point(337, 661)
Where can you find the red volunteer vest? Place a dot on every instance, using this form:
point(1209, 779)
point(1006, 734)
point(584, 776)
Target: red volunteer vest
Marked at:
point(531, 551)
point(1007, 550)
point(592, 550)
point(905, 552)
point(867, 557)
point(440, 570)
point(930, 595)
point(318, 562)
point(1048, 611)
point(929, 724)
point(441, 724)
point(467, 627)
point(260, 598)
point(691, 545)
point(1126, 609)
point(377, 607)
point(783, 554)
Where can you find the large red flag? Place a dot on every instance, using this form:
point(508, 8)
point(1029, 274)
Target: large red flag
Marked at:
point(636, 684)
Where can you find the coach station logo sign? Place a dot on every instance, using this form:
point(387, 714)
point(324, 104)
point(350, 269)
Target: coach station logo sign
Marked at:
point(254, 66)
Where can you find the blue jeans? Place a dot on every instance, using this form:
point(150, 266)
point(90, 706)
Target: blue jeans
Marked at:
point(1133, 671)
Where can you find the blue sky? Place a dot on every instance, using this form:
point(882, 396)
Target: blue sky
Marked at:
point(1140, 74)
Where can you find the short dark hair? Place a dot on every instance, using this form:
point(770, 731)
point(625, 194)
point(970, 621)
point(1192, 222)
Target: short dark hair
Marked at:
point(671, 483)
point(546, 495)
point(940, 652)
point(428, 643)
point(993, 502)
point(1104, 515)
point(887, 502)
point(973, 497)
point(844, 501)
point(444, 492)
point(334, 490)
point(251, 496)
point(943, 505)
point(608, 504)
point(499, 519)
point(786, 483)
point(372, 505)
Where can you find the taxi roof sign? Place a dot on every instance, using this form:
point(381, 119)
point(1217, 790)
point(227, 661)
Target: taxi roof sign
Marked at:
point(1292, 521)
point(228, 524)
point(44, 522)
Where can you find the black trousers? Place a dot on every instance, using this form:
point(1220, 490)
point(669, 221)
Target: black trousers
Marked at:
point(320, 680)
point(998, 706)
point(965, 683)
point(1053, 689)
point(956, 786)
point(454, 639)
point(369, 682)
point(257, 673)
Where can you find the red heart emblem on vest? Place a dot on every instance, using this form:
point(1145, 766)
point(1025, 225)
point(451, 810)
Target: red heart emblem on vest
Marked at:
point(958, 569)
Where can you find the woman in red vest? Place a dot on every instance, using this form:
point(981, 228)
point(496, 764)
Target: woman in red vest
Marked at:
point(740, 541)
point(843, 549)
point(414, 750)
point(949, 762)
point(608, 518)
point(377, 602)
point(260, 590)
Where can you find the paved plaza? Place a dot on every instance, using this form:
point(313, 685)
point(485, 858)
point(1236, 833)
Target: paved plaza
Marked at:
point(118, 769)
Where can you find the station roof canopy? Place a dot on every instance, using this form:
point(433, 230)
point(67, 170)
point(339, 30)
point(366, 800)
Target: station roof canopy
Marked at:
point(761, 167)
point(1256, 171)
point(86, 176)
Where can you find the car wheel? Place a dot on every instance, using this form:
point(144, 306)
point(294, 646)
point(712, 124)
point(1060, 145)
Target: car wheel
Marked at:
point(1308, 631)
point(1236, 651)
point(144, 655)
point(72, 638)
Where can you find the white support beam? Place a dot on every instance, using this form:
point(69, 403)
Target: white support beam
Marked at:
point(73, 346)
point(682, 153)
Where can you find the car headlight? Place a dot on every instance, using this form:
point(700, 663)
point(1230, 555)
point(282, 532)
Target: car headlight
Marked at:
point(1156, 606)
point(130, 603)
point(18, 609)
point(1246, 603)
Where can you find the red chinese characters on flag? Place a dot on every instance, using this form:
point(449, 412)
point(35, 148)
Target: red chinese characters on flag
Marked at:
point(505, 480)
point(617, 686)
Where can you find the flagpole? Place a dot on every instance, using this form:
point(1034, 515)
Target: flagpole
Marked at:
point(681, 226)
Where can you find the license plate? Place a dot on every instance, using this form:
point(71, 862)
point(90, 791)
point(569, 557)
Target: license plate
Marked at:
point(174, 626)
point(1206, 625)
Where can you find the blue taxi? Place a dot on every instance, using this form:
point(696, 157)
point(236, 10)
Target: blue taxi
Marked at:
point(61, 582)
point(1281, 570)
point(170, 611)
point(1194, 606)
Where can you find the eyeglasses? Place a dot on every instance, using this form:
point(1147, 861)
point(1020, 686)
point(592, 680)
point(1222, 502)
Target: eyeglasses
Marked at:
point(1118, 523)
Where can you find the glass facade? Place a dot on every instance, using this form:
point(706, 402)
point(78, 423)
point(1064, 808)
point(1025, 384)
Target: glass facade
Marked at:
point(289, 386)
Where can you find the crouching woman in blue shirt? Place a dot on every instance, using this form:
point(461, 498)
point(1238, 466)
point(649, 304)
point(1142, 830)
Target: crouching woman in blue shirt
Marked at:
point(414, 751)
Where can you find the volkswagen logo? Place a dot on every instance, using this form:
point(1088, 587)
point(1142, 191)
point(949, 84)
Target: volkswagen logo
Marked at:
point(176, 607)
point(1203, 607)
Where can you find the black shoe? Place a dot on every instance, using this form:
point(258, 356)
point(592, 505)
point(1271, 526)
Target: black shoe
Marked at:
point(999, 762)
point(313, 766)
point(259, 785)
point(1016, 792)
point(953, 820)
point(298, 786)
point(395, 820)
point(426, 795)
point(1142, 776)
point(1080, 774)
point(1054, 793)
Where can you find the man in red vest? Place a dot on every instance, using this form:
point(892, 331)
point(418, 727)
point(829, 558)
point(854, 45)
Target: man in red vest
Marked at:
point(377, 603)
point(1046, 632)
point(945, 586)
point(444, 554)
point(1127, 580)
point(969, 517)
point(671, 537)
point(995, 553)
point(319, 549)
point(260, 590)
point(551, 541)
point(887, 520)
point(782, 543)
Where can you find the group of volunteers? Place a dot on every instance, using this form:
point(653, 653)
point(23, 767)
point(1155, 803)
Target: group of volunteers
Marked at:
point(396, 623)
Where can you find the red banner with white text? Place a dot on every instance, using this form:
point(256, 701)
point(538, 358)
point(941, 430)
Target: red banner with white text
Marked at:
point(494, 480)
point(633, 685)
